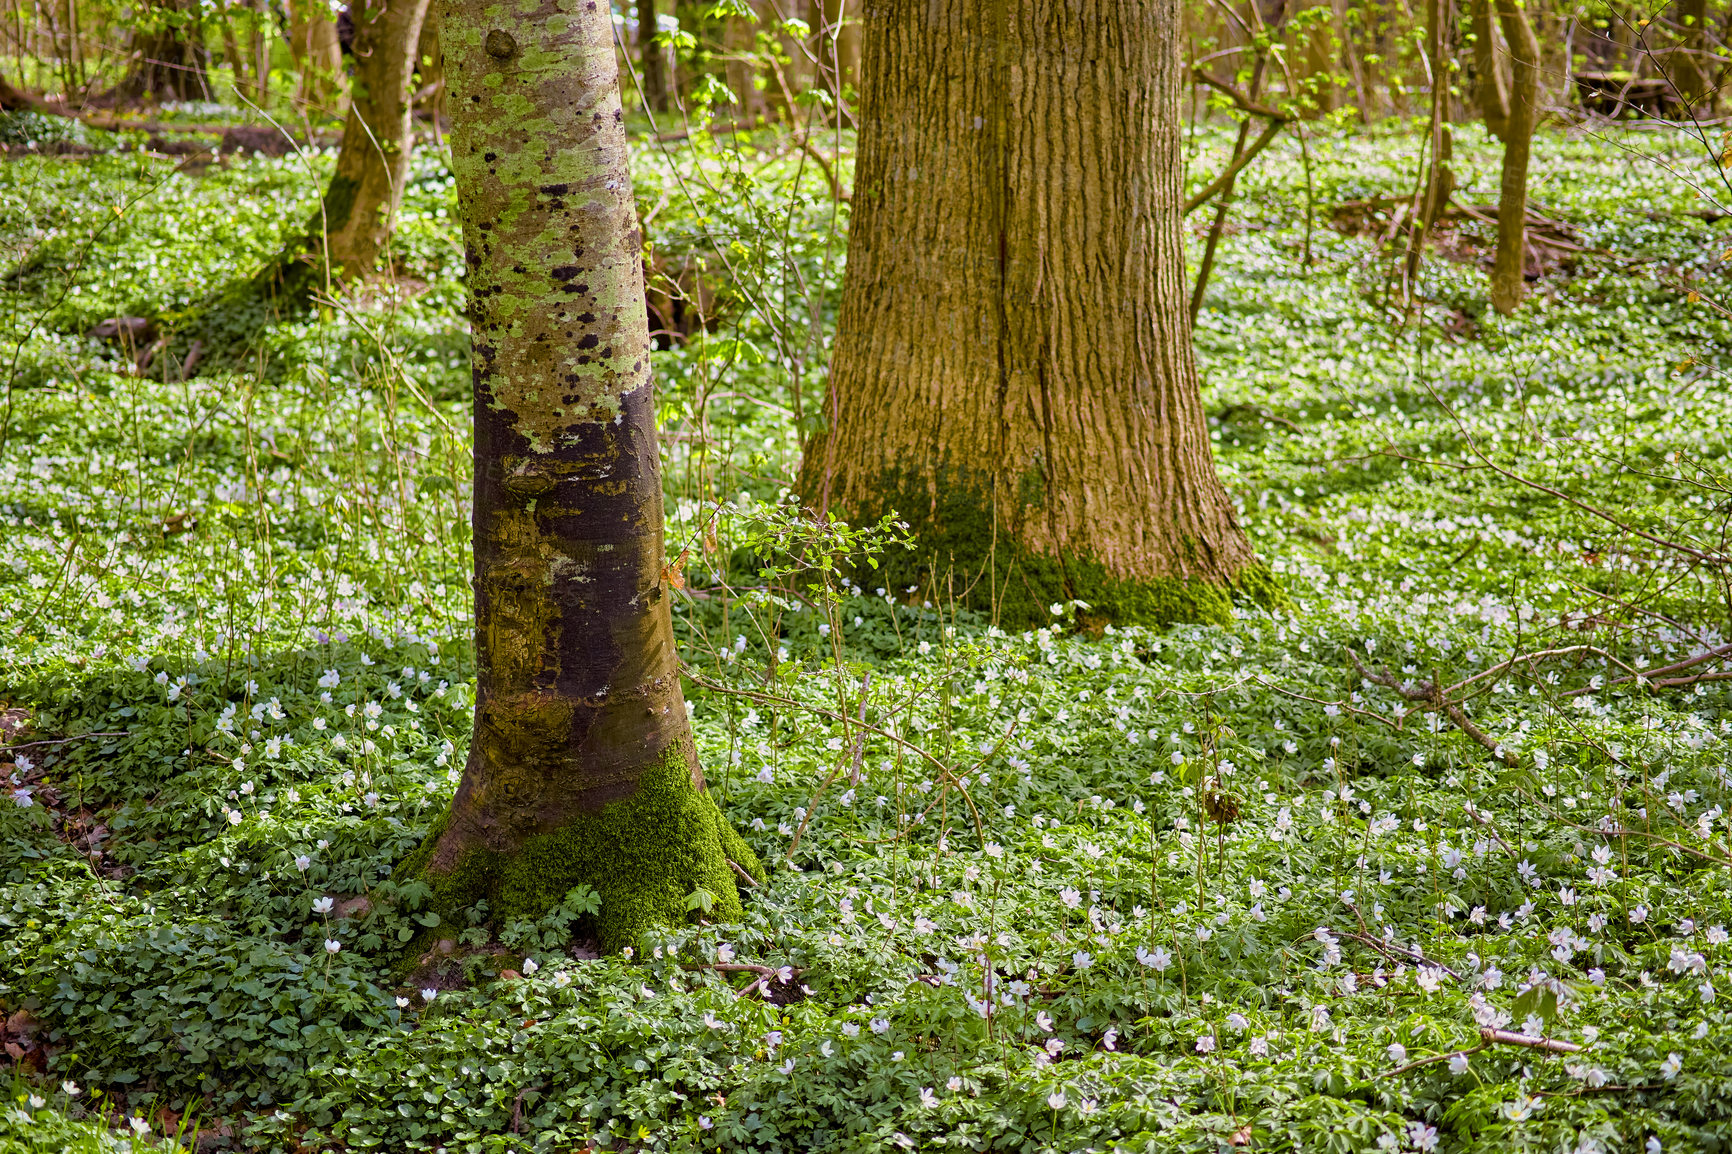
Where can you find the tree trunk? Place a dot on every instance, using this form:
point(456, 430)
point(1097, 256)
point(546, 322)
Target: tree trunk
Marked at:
point(1440, 179)
point(653, 60)
point(318, 55)
point(361, 204)
point(263, 19)
point(1512, 203)
point(1691, 61)
point(1013, 372)
point(1490, 73)
point(739, 44)
point(171, 56)
point(582, 768)
point(839, 50)
point(239, 66)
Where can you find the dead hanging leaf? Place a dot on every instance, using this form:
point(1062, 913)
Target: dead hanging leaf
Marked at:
point(711, 545)
point(1241, 1136)
point(674, 573)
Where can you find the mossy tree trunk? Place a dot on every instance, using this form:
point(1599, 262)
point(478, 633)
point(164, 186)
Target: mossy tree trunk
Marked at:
point(1510, 264)
point(360, 206)
point(582, 767)
point(1013, 371)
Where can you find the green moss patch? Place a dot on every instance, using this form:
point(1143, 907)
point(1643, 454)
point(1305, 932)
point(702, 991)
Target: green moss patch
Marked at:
point(646, 856)
point(964, 553)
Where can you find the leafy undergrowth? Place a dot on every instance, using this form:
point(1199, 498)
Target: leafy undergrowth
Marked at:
point(1072, 889)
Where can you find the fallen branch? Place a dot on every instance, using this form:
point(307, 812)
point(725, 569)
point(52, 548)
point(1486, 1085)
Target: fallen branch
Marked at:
point(1432, 697)
point(1485, 820)
point(1365, 713)
point(1489, 1037)
point(1433, 1059)
point(1511, 1038)
point(1390, 949)
point(64, 740)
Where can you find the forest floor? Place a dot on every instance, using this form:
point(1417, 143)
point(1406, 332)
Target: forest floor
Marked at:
point(1256, 887)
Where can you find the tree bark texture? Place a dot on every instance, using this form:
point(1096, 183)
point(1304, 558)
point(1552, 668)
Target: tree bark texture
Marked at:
point(360, 207)
point(582, 767)
point(1013, 372)
point(1510, 264)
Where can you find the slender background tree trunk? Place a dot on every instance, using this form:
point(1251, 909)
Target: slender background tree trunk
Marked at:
point(653, 66)
point(318, 55)
point(361, 204)
point(1690, 63)
point(1490, 73)
point(1013, 372)
point(582, 767)
point(1510, 263)
point(171, 56)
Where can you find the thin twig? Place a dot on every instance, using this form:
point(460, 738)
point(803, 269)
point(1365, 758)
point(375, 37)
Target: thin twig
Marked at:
point(746, 877)
point(1391, 949)
point(64, 740)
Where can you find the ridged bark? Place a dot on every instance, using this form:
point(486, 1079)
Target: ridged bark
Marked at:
point(582, 768)
point(1013, 371)
point(360, 207)
point(1510, 263)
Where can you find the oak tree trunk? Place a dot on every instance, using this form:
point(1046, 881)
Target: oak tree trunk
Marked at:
point(582, 767)
point(1510, 264)
point(360, 206)
point(1013, 372)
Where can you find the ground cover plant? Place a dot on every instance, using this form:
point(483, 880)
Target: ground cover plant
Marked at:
point(1265, 885)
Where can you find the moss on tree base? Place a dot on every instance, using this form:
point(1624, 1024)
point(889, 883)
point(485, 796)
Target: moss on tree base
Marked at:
point(962, 551)
point(645, 855)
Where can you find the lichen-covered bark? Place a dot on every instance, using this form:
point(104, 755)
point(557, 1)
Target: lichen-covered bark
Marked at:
point(1510, 263)
point(366, 189)
point(582, 767)
point(1013, 370)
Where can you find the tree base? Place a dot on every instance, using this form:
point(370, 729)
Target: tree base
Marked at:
point(962, 552)
point(645, 856)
